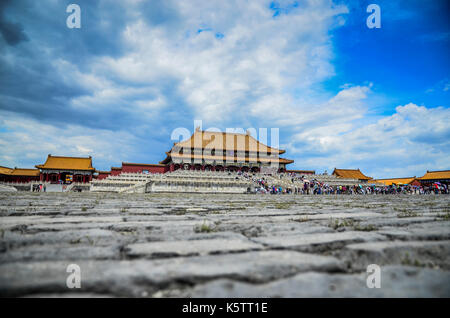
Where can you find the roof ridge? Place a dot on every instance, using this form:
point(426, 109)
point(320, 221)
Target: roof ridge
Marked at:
point(90, 157)
point(222, 132)
point(395, 178)
point(143, 164)
point(229, 133)
point(437, 171)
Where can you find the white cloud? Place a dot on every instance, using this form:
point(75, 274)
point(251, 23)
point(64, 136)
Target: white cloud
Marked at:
point(410, 141)
point(257, 59)
point(230, 63)
point(441, 86)
point(26, 142)
point(83, 150)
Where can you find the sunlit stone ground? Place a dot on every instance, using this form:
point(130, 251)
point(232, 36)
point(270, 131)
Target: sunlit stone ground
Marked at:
point(192, 245)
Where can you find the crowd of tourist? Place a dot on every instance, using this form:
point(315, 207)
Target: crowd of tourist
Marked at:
point(39, 188)
point(301, 185)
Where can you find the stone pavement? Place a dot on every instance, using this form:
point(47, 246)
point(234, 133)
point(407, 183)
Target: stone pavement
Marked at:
point(194, 245)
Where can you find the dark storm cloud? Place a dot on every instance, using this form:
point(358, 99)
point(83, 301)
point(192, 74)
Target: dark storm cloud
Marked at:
point(31, 84)
point(12, 32)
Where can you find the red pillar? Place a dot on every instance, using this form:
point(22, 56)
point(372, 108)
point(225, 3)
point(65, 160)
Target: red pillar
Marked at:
point(172, 167)
point(203, 168)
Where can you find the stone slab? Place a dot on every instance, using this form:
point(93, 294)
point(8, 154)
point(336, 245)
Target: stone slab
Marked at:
point(192, 247)
point(133, 277)
point(395, 282)
point(319, 241)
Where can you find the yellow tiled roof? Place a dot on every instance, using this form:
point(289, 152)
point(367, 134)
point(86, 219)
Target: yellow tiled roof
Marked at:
point(388, 182)
point(25, 172)
point(434, 175)
point(225, 141)
point(5, 170)
point(230, 158)
point(19, 172)
point(67, 163)
point(350, 174)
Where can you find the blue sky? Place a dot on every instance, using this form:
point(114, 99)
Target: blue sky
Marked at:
point(341, 94)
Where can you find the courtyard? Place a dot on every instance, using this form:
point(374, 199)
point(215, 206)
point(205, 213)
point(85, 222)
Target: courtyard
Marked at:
point(197, 245)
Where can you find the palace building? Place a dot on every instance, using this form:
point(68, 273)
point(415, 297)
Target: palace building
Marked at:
point(18, 175)
point(441, 176)
point(351, 174)
point(430, 178)
point(66, 169)
point(133, 168)
point(212, 151)
point(202, 151)
point(399, 181)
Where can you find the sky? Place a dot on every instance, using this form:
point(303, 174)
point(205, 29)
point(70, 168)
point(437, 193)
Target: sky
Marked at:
point(341, 94)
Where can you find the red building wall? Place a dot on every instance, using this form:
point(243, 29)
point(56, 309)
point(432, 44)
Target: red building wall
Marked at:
point(140, 168)
point(116, 171)
point(19, 179)
point(103, 175)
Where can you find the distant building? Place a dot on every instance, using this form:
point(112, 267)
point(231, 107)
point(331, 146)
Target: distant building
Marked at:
point(115, 171)
point(133, 168)
point(351, 174)
point(212, 151)
point(143, 167)
point(222, 151)
point(102, 174)
point(442, 176)
point(398, 181)
point(20, 175)
point(5, 173)
point(66, 169)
